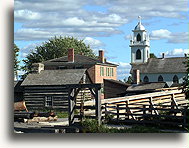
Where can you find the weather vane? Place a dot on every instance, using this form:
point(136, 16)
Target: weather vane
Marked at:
point(139, 17)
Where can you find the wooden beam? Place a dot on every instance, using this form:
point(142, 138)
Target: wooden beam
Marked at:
point(98, 105)
point(92, 92)
point(152, 105)
point(71, 107)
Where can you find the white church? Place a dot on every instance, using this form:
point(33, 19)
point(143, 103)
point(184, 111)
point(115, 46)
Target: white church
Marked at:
point(145, 69)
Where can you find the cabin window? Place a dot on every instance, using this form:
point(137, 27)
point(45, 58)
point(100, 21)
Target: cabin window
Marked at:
point(175, 79)
point(101, 71)
point(138, 54)
point(48, 101)
point(138, 37)
point(160, 79)
point(146, 79)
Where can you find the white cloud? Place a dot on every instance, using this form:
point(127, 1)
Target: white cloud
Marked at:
point(123, 70)
point(171, 37)
point(160, 34)
point(63, 17)
point(176, 52)
point(28, 48)
point(93, 42)
point(26, 14)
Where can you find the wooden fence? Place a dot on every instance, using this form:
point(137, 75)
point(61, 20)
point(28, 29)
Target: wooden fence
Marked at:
point(167, 107)
point(146, 114)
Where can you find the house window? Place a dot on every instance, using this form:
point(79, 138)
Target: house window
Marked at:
point(112, 72)
point(175, 79)
point(101, 71)
point(107, 71)
point(49, 101)
point(160, 79)
point(138, 54)
point(146, 79)
point(138, 37)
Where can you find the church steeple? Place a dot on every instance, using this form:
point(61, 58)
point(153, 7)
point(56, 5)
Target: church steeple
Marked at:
point(140, 44)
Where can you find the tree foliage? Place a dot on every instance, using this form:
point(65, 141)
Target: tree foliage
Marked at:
point(16, 61)
point(128, 80)
point(55, 48)
point(152, 55)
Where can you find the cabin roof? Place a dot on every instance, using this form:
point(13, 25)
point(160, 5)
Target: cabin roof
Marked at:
point(55, 77)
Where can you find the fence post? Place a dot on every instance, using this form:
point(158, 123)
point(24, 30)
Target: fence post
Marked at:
point(126, 110)
point(184, 116)
point(117, 112)
point(144, 112)
point(106, 113)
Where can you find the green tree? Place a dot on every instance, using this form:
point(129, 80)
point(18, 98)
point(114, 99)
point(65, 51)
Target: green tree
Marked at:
point(152, 55)
point(16, 61)
point(128, 80)
point(55, 48)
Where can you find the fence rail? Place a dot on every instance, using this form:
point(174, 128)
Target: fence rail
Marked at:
point(157, 114)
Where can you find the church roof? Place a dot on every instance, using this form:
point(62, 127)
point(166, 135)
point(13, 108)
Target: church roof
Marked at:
point(139, 26)
point(162, 65)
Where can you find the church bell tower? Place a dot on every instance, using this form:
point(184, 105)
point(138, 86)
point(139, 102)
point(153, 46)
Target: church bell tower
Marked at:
point(140, 44)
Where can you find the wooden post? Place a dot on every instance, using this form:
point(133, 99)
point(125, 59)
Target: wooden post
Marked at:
point(184, 116)
point(106, 112)
point(71, 106)
point(126, 110)
point(144, 112)
point(98, 105)
point(117, 108)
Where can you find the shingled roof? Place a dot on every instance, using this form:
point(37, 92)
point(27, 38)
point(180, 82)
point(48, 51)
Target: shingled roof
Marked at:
point(162, 65)
point(147, 86)
point(78, 60)
point(55, 77)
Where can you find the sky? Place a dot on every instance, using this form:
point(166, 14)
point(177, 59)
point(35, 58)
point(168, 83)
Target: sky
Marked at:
point(104, 25)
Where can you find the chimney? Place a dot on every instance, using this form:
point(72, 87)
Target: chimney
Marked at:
point(163, 55)
point(37, 67)
point(70, 55)
point(136, 76)
point(101, 56)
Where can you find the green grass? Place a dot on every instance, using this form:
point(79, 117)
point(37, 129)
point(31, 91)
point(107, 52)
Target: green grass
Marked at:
point(62, 114)
point(91, 126)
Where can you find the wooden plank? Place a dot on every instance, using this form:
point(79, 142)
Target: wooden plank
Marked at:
point(134, 97)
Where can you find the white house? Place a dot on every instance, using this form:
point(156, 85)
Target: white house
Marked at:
point(146, 69)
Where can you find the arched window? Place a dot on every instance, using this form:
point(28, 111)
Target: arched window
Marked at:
point(175, 79)
point(160, 79)
point(138, 54)
point(145, 79)
point(138, 37)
